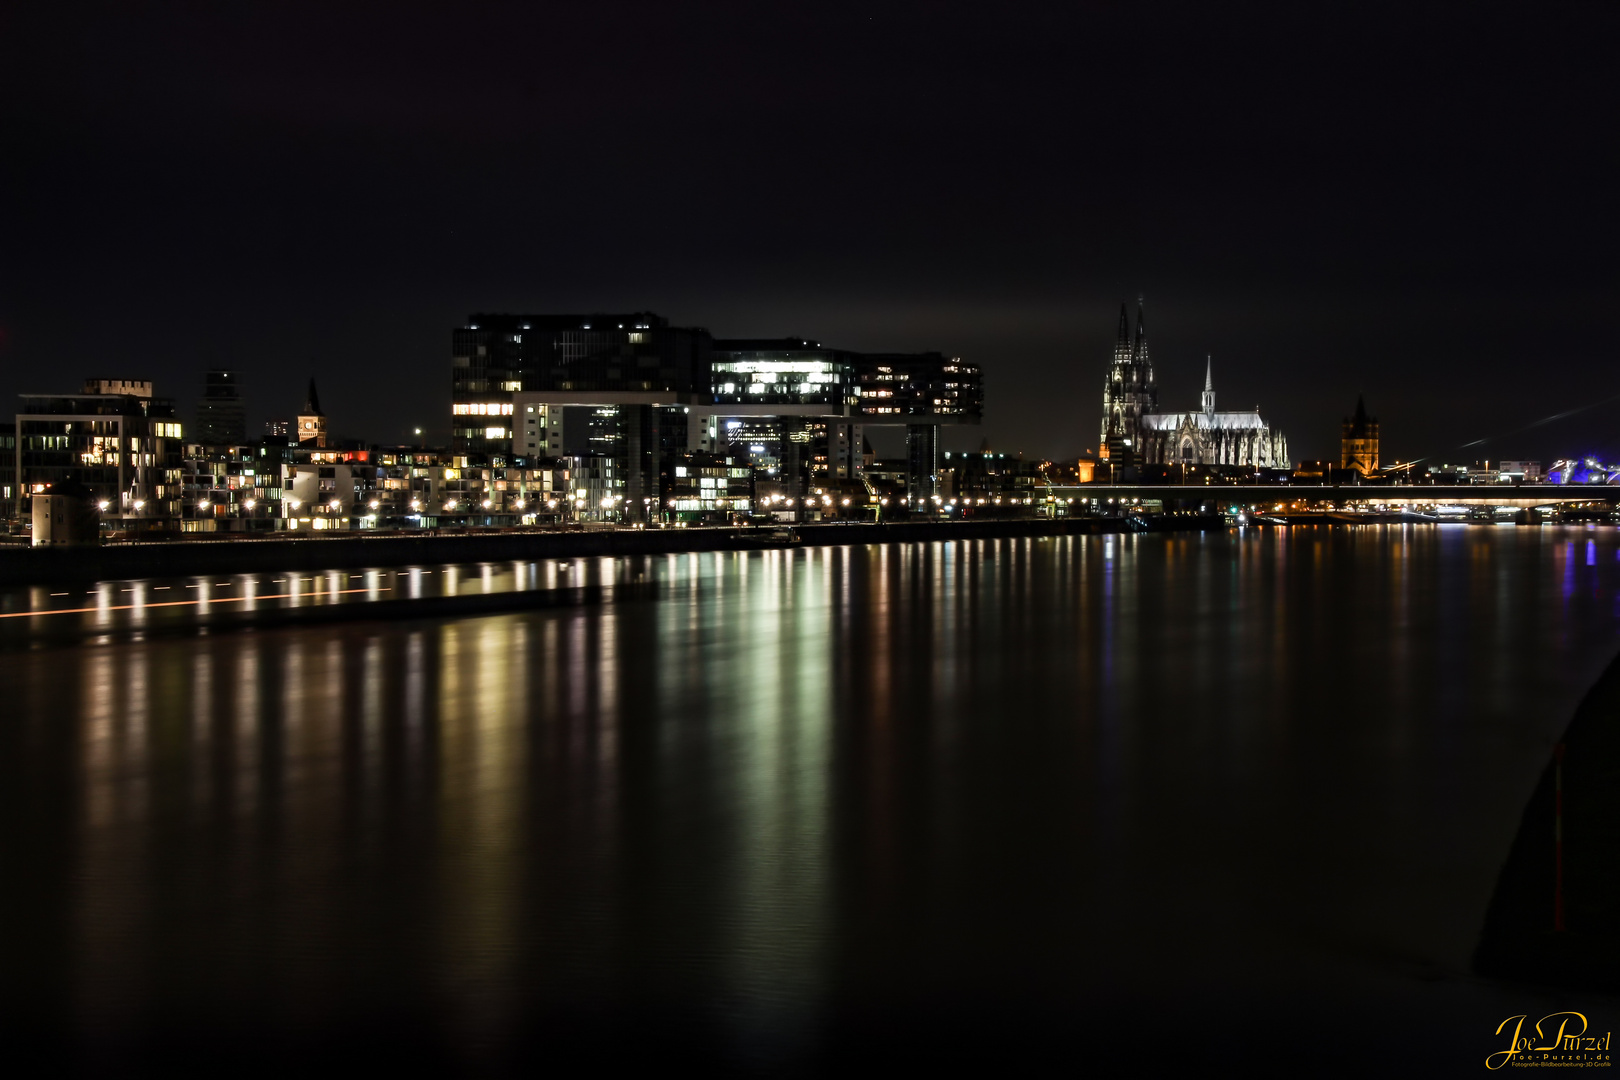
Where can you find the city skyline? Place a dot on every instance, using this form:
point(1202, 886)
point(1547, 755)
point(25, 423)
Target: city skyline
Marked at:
point(1570, 433)
point(1327, 207)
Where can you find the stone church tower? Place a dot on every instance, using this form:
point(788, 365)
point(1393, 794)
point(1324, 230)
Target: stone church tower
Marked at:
point(312, 421)
point(1358, 441)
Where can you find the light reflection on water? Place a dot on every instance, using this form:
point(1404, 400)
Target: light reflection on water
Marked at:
point(804, 784)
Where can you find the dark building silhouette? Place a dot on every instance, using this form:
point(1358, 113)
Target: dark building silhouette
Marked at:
point(221, 415)
point(1358, 441)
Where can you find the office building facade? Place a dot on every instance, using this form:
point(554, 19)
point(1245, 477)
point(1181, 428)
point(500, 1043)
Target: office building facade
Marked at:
point(115, 440)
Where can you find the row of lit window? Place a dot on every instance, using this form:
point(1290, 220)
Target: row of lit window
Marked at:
point(482, 408)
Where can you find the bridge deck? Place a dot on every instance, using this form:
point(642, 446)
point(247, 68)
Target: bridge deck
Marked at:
point(1522, 495)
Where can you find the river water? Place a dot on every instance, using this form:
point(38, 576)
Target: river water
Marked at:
point(1160, 801)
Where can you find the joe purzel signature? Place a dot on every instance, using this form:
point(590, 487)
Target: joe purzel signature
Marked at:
point(1557, 1032)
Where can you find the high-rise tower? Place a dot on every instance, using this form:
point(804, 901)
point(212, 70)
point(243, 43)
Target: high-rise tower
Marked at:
point(221, 420)
point(1128, 392)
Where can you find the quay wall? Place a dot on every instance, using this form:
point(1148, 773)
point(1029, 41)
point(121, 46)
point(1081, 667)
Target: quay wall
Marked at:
point(29, 566)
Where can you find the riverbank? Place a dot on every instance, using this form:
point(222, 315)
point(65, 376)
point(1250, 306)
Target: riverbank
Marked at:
point(33, 566)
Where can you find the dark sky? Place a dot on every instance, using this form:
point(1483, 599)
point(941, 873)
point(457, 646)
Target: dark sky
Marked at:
point(1414, 203)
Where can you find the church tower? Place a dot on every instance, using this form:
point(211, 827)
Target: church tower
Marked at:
point(1209, 385)
point(1358, 441)
point(1128, 391)
point(312, 421)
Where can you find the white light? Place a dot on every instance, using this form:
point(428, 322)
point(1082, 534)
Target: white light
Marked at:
point(139, 503)
point(201, 506)
point(486, 504)
point(102, 504)
point(334, 506)
point(250, 503)
point(292, 504)
point(451, 505)
point(373, 504)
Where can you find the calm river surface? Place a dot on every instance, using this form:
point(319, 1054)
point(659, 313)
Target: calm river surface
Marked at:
point(1169, 800)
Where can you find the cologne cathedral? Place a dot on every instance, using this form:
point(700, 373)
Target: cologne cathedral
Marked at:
point(1134, 431)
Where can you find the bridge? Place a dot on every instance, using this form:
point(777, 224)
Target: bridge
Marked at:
point(1320, 496)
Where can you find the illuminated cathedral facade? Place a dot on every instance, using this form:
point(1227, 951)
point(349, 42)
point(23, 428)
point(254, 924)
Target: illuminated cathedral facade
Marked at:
point(1135, 431)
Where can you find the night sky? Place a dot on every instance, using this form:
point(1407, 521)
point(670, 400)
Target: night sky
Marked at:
point(1329, 199)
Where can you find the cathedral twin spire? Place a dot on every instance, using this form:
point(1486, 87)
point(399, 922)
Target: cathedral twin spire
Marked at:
point(1125, 350)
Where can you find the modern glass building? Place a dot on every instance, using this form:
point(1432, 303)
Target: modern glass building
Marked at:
point(623, 395)
point(572, 359)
